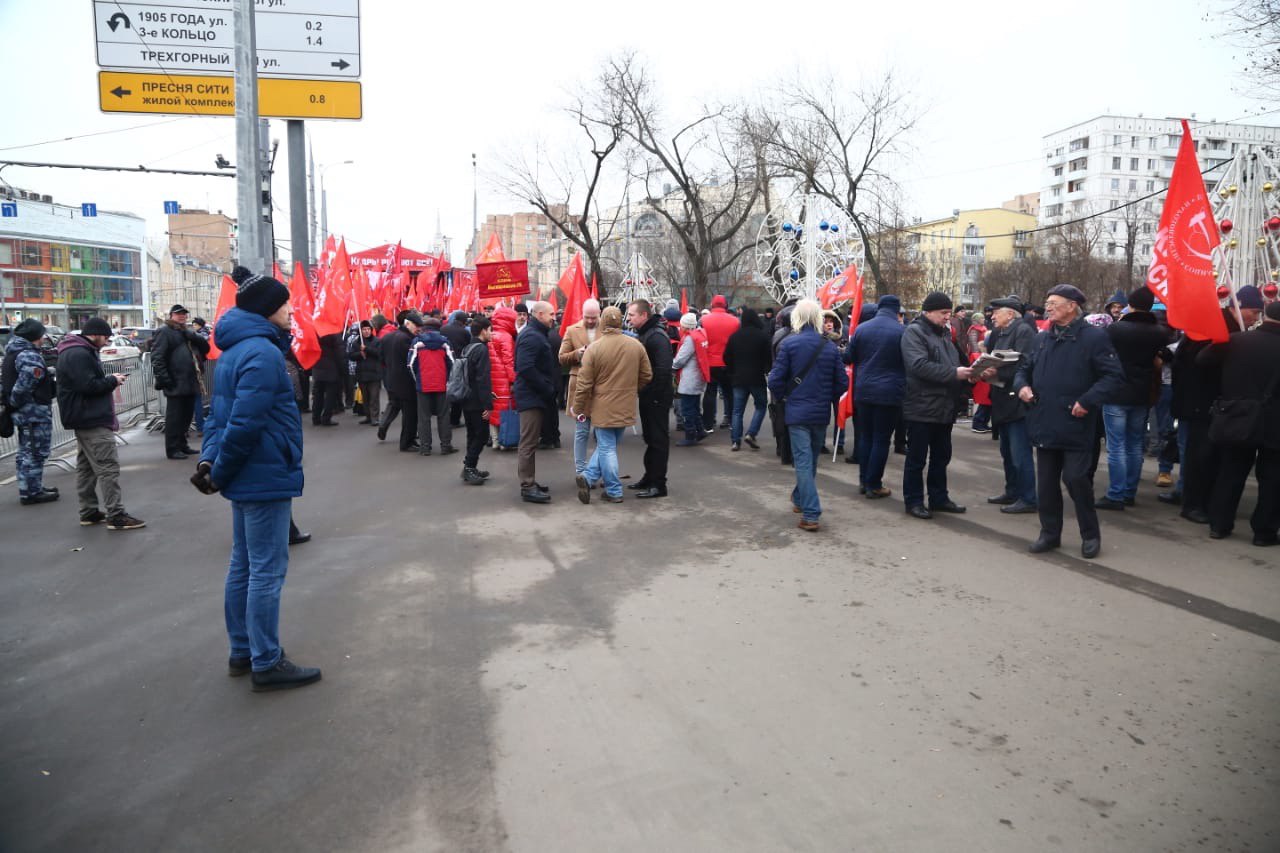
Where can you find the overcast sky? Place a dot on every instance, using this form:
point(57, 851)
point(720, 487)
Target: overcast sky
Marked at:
point(443, 80)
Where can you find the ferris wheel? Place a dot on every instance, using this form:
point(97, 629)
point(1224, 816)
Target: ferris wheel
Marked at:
point(1246, 207)
point(802, 243)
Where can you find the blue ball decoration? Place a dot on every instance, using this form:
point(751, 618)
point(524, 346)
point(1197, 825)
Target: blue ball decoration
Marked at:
point(795, 275)
point(824, 225)
point(835, 229)
point(786, 226)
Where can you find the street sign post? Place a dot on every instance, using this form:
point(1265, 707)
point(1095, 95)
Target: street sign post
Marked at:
point(187, 94)
point(305, 38)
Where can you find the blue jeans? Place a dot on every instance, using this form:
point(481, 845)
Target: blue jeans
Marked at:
point(760, 397)
point(691, 414)
point(603, 464)
point(876, 423)
point(259, 562)
point(581, 436)
point(1126, 429)
point(806, 447)
point(1019, 464)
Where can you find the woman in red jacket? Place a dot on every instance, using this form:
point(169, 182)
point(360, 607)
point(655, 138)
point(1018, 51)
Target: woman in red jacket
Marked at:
point(502, 366)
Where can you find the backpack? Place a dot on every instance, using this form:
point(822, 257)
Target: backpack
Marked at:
point(458, 389)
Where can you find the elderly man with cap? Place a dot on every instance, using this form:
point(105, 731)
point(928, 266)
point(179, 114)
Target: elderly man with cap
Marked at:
point(252, 453)
point(1008, 413)
point(85, 405)
point(27, 392)
point(1070, 371)
point(175, 360)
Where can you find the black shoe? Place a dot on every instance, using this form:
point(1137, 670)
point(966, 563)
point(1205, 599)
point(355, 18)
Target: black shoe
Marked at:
point(919, 511)
point(300, 539)
point(1130, 501)
point(751, 442)
point(177, 455)
point(472, 477)
point(382, 433)
point(534, 496)
point(584, 489)
point(327, 423)
point(190, 452)
point(610, 499)
point(124, 521)
point(1108, 503)
point(635, 487)
point(446, 449)
point(237, 667)
point(947, 506)
point(1266, 541)
point(1044, 543)
point(365, 421)
point(425, 451)
point(1219, 534)
point(95, 517)
point(484, 475)
point(1090, 548)
point(1019, 508)
point(1197, 516)
point(850, 460)
point(544, 489)
point(724, 424)
point(284, 676)
point(1002, 500)
point(44, 497)
point(900, 451)
point(737, 445)
point(652, 492)
point(1174, 498)
point(825, 450)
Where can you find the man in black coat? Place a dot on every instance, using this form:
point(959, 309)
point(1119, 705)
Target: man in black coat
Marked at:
point(537, 375)
point(326, 380)
point(748, 357)
point(175, 361)
point(1195, 387)
point(366, 352)
point(1008, 413)
point(551, 420)
point(398, 380)
point(1250, 371)
point(458, 336)
point(1071, 369)
point(1140, 344)
point(655, 399)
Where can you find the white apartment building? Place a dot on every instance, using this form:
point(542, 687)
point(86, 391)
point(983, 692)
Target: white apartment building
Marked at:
point(1100, 165)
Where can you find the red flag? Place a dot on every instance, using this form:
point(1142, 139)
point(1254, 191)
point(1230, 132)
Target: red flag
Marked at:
point(305, 343)
point(684, 302)
point(847, 285)
point(334, 296)
point(595, 289)
point(573, 284)
point(491, 252)
point(226, 300)
point(360, 295)
point(1181, 274)
point(552, 299)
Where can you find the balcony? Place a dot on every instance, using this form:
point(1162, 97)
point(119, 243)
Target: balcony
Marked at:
point(1078, 195)
point(1055, 160)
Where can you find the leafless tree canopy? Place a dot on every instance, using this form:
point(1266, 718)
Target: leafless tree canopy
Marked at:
point(1254, 27)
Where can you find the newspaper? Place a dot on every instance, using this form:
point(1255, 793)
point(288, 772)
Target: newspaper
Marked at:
point(999, 358)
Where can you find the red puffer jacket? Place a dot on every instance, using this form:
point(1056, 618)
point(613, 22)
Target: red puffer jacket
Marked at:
point(502, 360)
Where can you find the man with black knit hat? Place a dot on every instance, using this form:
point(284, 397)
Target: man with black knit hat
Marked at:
point(175, 360)
point(27, 392)
point(85, 405)
point(399, 382)
point(1070, 371)
point(252, 453)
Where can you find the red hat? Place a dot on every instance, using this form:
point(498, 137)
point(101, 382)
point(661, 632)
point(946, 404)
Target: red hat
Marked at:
point(719, 301)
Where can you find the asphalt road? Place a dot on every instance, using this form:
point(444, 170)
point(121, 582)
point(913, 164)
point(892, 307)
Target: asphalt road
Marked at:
point(683, 674)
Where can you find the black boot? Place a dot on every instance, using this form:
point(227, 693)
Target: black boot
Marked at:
point(472, 477)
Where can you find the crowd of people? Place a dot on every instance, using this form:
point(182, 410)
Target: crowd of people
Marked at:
point(1052, 383)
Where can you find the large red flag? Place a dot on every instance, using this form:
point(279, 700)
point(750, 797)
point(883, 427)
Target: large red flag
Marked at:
point(555, 306)
point(491, 253)
point(595, 288)
point(361, 297)
point(684, 301)
point(573, 284)
point(334, 296)
point(226, 300)
point(847, 285)
point(1181, 274)
point(305, 343)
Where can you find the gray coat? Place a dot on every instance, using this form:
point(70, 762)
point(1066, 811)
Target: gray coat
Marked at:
point(686, 361)
point(931, 360)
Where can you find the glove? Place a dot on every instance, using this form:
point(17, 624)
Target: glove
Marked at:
point(201, 479)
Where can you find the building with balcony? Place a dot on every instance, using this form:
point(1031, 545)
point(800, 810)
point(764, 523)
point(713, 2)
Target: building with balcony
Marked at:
point(953, 250)
point(1116, 166)
point(62, 267)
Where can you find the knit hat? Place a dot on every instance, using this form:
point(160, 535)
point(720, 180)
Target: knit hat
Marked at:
point(611, 318)
point(672, 314)
point(891, 302)
point(31, 329)
point(936, 302)
point(718, 301)
point(1068, 291)
point(95, 326)
point(689, 321)
point(258, 294)
point(1250, 296)
point(1142, 299)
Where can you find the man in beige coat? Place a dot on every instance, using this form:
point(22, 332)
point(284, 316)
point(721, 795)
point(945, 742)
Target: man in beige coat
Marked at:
point(577, 338)
point(613, 371)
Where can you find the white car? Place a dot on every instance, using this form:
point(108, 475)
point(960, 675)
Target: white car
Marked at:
point(118, 347)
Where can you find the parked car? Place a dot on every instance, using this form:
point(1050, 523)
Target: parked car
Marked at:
point(139, 336)
point(119, 347)
point(6, 332)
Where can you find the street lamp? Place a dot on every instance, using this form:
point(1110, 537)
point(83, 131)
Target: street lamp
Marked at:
point(324, 205)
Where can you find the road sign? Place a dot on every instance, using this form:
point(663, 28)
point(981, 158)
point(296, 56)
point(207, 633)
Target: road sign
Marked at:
point(88, 209)
point(207, 95)
point(305, 38)
point(9, 209)
point(171, 207)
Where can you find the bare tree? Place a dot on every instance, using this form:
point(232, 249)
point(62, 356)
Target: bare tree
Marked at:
point(1254, 27)
point(841, 145)
point(709, 163)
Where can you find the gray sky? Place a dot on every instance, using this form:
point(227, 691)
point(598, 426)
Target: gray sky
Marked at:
point(442, 80)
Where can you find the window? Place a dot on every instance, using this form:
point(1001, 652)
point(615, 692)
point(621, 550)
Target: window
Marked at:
point(1133, 142)
point(1133, 164)
point(1115, 140)
point(1111, 249)
point(1075, 186)
point(55, 256)
point(1057, 192)
point(1079, 144)
point(1057, 172)
point(1151, 144)
point(1133, 185)
point(1079, 164)
point(1115, 185)
point(1053, 210)
point(1146, 228)
point(1115, 163)
point(1020, 254)
point(30, 254)
point(1115, 202)
point(1152, 163)
point(1115, 226)
point(6, 252)
point(1175, 139)
point(1151, 186)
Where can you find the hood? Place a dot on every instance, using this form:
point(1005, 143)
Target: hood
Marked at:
point(239, 325)
point(74, 341)
point(17, 344)
point(458, 318)
point(431, 339)
point(751, 319)
point(504, 320)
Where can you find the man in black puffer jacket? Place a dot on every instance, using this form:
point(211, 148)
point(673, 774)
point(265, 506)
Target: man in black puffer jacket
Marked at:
point(398, 380)
point(748, 356)
point(175, 356)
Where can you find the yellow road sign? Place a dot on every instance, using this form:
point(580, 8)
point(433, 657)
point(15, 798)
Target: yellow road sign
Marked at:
point(189, 94)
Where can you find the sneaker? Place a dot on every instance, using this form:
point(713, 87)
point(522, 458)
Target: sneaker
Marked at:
point(124, 521)
point(1164, 479)
point(284, 676)
point(95, 517)
point(737, 445)
point(584, 490)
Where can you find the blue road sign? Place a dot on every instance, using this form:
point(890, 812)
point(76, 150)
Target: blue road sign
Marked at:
point(88, 209)
point(171, 207)
point(9, 209)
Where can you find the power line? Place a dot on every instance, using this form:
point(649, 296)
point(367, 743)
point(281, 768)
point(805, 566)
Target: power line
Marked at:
point(93, 168)
point(94, 133)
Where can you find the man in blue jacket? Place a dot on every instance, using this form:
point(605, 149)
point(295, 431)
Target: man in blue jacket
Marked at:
point(808, 376)
point(875, 351)
point(1070, 372)
point(252, 453)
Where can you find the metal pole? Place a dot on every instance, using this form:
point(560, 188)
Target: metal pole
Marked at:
point(298, 237)
point(268, 215)
point(475, 219)
point(248, 189)
point(311, 204)
point(324, 215)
